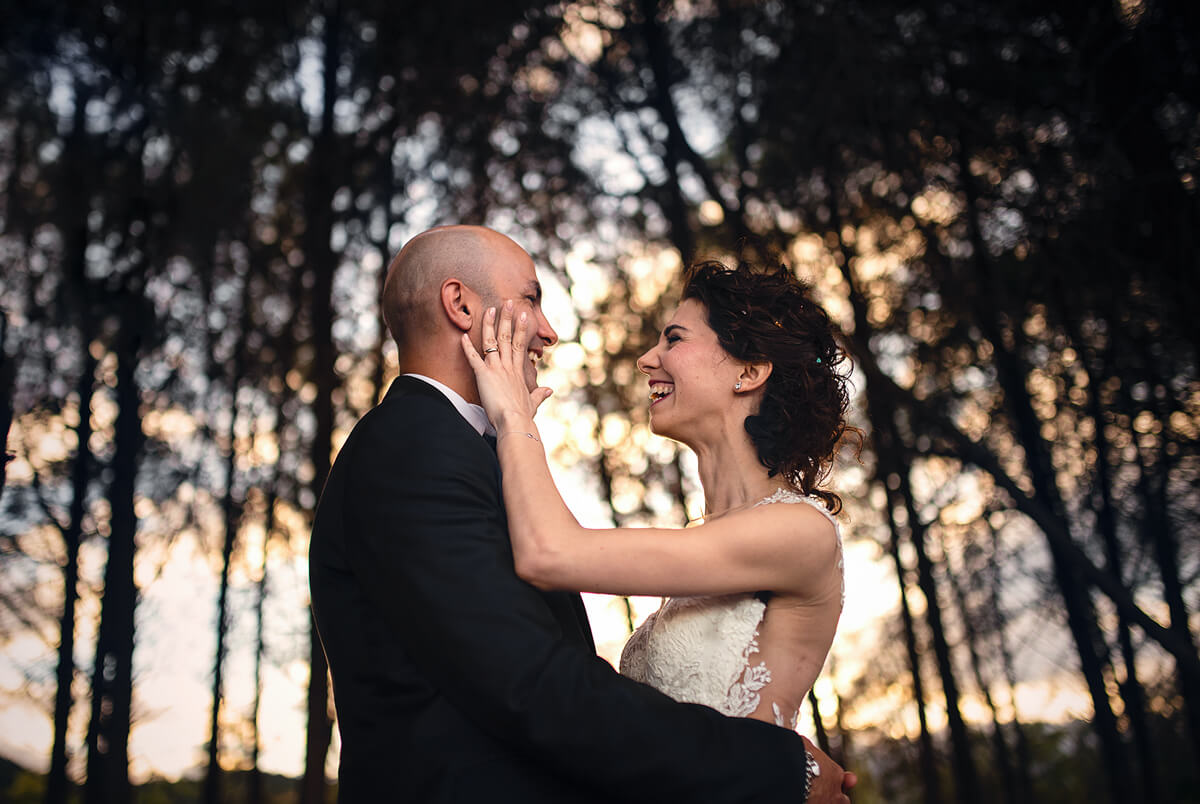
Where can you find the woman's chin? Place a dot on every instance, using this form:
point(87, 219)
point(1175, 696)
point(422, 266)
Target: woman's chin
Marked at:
point(660, 427)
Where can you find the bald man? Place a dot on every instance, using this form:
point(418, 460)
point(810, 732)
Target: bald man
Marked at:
point(454, 680)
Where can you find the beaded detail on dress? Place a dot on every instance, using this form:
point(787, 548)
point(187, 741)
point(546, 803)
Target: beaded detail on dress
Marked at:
point(700, 649)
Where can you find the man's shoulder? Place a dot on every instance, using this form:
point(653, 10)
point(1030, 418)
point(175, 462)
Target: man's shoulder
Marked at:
point(413, 411)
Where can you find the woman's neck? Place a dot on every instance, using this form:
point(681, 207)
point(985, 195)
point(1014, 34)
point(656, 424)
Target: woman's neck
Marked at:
point(732, 476)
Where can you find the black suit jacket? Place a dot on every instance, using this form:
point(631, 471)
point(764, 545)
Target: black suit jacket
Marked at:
point(456, 681)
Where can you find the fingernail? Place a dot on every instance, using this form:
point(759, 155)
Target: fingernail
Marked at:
point(508, 305)
point(491, 311)
point(522, 319)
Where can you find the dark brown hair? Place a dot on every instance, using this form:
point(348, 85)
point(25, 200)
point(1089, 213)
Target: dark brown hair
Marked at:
point(767, 314)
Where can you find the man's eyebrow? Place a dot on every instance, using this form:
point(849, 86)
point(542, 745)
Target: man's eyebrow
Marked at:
point(535, 288)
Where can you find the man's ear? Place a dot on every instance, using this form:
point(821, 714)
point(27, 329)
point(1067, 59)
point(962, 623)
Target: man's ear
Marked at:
point(754, 375)
point(460, 304)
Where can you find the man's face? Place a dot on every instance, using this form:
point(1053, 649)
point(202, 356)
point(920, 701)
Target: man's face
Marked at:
point(513, 277)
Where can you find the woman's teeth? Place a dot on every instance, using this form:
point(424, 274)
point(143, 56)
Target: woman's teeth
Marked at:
point(660, 391)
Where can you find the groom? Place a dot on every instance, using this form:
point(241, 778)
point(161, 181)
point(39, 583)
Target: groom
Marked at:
point(454, 680)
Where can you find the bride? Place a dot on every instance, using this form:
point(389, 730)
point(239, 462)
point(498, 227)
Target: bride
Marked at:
point(747, 373)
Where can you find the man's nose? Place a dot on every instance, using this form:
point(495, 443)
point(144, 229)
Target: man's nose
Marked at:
point(546, 332)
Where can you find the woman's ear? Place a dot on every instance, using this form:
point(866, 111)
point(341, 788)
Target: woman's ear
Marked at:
point(753, 376)
point(460, 304)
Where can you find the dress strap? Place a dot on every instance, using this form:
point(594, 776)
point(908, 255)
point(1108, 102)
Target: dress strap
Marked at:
point(791, 497)
point(788, 496)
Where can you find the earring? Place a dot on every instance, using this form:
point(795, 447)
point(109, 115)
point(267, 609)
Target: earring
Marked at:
point(737, 386)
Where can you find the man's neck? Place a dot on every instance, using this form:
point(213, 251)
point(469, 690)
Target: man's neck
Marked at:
point(449, 373)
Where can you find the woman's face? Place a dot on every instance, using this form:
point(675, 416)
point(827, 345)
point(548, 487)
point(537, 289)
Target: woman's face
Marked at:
point(691, 376)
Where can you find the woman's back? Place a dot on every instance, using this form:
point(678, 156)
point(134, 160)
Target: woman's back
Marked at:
point(745, 655)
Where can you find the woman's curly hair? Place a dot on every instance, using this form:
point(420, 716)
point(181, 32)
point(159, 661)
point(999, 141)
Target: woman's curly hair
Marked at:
point(767, 314)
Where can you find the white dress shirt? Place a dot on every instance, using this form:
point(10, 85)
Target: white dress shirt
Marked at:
point(475, 415)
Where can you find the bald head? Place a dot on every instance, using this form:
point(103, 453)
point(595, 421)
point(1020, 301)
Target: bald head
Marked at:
point(440, 287)
point(411, 292)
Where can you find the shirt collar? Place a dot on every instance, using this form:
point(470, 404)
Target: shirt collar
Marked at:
point(475, 415)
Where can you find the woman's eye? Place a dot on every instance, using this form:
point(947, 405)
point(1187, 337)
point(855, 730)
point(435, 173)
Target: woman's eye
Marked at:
point(672, 339)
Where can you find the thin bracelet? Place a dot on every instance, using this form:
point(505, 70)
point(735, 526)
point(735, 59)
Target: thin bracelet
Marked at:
point(519, 432)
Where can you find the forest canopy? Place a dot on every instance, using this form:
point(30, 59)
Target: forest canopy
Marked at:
point(996, 201)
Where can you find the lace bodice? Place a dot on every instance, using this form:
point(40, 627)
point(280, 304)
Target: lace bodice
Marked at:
point(702, 649)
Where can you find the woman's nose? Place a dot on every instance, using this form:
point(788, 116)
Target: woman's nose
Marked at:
point(644, 362)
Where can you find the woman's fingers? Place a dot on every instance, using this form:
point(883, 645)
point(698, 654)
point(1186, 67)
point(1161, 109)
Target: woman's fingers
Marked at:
point(503, 337)
point(504, 328)
point(520, 340)
point(472, 356)
point(489, 332)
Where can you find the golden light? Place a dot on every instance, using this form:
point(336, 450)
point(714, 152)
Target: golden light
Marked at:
point(936, 206)
point(614, 430)
point(711, 213)
point(567, 356)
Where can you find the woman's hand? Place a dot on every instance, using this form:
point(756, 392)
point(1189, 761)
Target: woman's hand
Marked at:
point(500, 372)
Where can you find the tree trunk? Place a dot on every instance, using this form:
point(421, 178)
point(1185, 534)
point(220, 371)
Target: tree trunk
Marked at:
point(1158, 530)
point(81, 472)
point(386, 186)
point(658, 56)
point(1132, 694)
point(1024, 764)
point(256, 793)
point(1166, 554)
point(1081, 615)
point(75, 258)
point(321, 262)
point(112, 673)
point(879, 409)
point(929, 775)
point(966, 778)
point(8, 378)
point(818, 724)
point(842, 753)
point(212, 777)
point(989, 302)
point(999, 745)
point(232, 516)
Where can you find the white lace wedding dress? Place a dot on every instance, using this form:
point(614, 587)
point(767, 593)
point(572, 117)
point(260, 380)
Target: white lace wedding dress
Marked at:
point(701, 649)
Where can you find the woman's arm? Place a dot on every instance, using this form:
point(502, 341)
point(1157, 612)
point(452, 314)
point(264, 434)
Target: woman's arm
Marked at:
point(782, 548)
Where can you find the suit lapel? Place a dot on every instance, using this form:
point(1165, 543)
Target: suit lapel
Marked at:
point(568, 607)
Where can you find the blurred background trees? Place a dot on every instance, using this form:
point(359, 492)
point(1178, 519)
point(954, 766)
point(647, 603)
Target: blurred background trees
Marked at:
point(997, 202)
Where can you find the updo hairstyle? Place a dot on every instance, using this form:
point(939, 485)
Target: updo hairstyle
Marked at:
point(768, 315)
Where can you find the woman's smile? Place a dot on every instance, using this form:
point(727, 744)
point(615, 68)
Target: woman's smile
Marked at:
point(660, 390)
